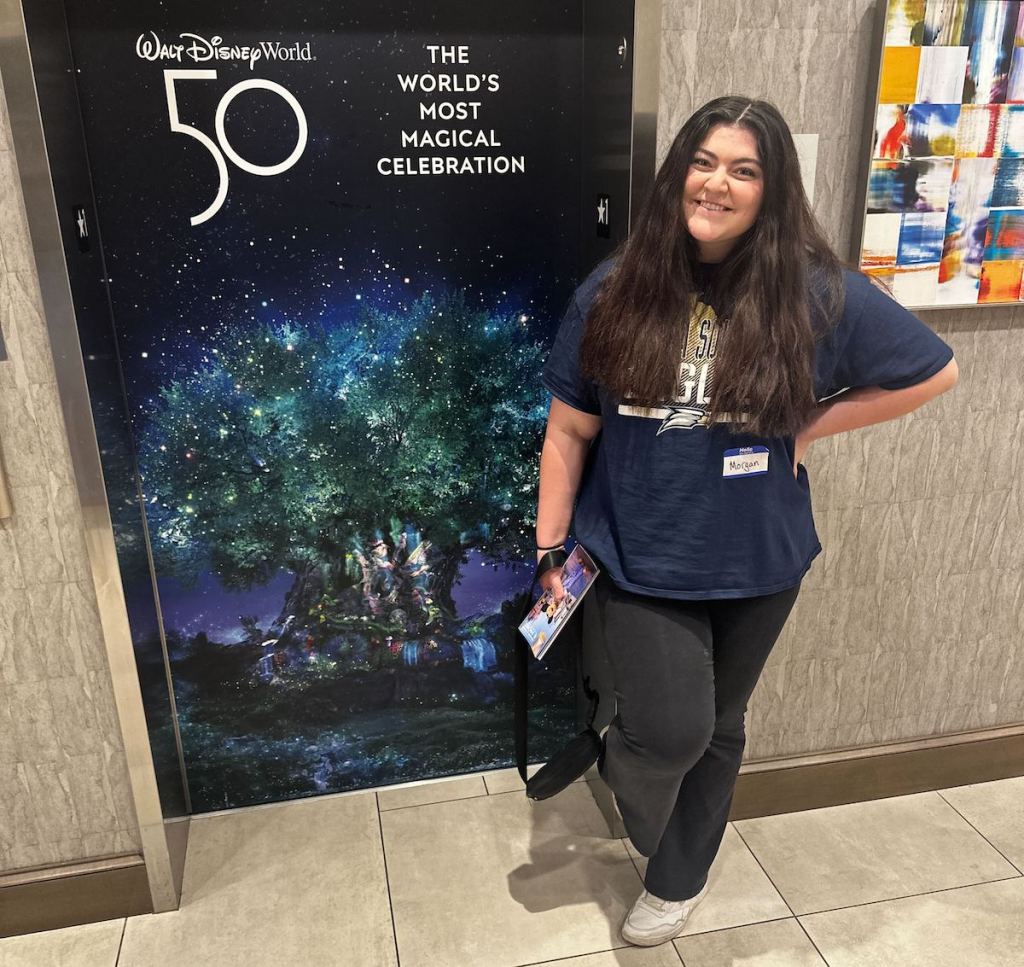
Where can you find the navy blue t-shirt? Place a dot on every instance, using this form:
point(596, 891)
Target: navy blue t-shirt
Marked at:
point(660, 505)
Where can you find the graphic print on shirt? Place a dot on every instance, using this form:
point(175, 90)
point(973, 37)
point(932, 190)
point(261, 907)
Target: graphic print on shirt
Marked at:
point(689, 407)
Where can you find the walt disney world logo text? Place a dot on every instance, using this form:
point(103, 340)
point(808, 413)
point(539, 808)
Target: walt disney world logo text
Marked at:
point(200, 50)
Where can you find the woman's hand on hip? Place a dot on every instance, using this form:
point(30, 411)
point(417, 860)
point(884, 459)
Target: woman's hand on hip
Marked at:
point(800, 445)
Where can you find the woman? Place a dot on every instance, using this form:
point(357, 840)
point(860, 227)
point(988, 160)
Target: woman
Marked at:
point(686, 380)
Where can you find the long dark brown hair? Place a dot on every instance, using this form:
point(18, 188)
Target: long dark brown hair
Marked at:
point(636, 329)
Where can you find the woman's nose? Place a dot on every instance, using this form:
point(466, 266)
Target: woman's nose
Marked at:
point(717, 181)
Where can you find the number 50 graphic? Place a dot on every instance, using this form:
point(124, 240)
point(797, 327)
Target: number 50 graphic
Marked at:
point(256, 83)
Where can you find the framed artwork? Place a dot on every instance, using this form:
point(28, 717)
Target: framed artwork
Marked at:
point(944, 216)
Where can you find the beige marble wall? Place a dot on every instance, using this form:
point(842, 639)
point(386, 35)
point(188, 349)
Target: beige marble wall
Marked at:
point(911, 623)
point(64, 792)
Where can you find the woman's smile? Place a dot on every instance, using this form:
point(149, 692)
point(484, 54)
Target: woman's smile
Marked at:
point(710, 206)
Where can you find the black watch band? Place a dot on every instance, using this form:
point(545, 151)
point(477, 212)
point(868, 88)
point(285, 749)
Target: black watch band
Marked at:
point(553, 547)
point(549, 560)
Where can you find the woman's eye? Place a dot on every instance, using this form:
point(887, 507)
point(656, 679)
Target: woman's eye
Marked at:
point(701, 161)
point(748, 172)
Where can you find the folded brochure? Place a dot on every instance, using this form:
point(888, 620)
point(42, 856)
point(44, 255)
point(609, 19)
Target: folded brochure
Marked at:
point(547, 617)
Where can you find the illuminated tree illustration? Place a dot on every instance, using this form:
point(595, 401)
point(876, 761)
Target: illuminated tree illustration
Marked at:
point(287, 446)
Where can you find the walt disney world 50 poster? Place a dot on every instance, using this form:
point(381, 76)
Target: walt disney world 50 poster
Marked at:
point(338, 244)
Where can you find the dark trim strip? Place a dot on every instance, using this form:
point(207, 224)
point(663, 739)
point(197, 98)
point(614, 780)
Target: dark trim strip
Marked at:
point(50, 902)
point(793, 785)
point(38, 874)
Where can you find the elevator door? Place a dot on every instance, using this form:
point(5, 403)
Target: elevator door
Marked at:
point(336, 243)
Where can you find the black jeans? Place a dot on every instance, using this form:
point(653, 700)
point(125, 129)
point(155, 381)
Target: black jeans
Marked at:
point(683, 672)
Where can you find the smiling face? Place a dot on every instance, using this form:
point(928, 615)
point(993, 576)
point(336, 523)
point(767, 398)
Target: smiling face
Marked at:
point(723, 189)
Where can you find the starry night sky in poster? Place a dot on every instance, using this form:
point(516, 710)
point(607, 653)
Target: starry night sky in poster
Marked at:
point(314, 245)
point(331, 229)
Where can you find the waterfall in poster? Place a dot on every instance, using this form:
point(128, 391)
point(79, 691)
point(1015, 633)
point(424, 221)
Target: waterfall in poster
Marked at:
point(338, 244)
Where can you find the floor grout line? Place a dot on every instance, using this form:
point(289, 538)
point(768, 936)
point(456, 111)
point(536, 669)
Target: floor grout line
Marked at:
point(673, 941)
point(980, 833)
point(810, 940)
point(572, 957)
point(636, 866)
point(387, 880)
point(504, 792)
point(757, 860)
point(910, 896)
point(522, 790)
point(735, 926)
point(487, 795)
point(417, 805)
point(120, 943)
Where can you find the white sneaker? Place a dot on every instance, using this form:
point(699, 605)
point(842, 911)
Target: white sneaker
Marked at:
point(652, 920)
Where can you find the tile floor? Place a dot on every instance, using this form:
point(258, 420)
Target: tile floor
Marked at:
point(468, 872)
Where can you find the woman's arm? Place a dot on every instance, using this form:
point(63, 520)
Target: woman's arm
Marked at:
point(872, 404)
point(566, 442)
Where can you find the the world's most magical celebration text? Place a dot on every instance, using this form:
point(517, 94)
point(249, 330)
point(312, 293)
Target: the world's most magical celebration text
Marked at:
point(439, 98)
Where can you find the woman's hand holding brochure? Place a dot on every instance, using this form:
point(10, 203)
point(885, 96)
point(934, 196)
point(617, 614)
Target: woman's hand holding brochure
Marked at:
point(563, 589)
point(551, 580)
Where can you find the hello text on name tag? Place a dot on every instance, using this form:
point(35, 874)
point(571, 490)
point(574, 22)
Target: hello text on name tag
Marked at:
point(745, 462)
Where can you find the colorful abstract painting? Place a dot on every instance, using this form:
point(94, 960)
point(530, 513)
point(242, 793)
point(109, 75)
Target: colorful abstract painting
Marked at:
point(944, 222)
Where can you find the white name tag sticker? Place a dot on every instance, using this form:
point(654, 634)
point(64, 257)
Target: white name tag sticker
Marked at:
point(745, 462)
